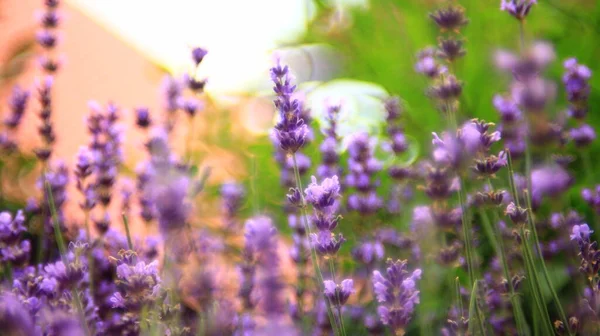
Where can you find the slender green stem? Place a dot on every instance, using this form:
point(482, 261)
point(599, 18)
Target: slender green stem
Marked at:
point(8, 273)
point(313, 253)
point(545, 272)
point(500, 251)
point(522, 35)
point(511, 178)
point(474, 308)
point(339, 310)
point(587, 166)
point(466, 225)
point(459, 297)
point(126, 224)
point(41, 232)
point(63, 255)
point(535, 283)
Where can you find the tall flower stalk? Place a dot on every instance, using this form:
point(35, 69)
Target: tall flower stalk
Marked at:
point(290, 134)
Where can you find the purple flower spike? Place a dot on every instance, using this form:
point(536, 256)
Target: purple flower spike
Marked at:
point(18, 104)
point(338, 294)
point(397, 295)
point(575, 80)
point(583, 135)
point(261, 245)
point(291, 131)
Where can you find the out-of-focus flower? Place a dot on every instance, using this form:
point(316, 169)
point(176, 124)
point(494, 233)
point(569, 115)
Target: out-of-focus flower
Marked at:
point(17, 105)
point(450, 18)
point(517, 8)
point(428, 65)
point(336, 294)
point(581, 232)
point(516, 214)
point(15, 320)
point(549, 181)
point(142, 117)
point(198, 55)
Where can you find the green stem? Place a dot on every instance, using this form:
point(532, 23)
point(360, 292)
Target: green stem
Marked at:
point(466, 225)
point(126, 224)
point(313, 253)
point(459, 297)
point(511, 178)
point(63, 255)
point(522, 35)
point(535, 284)
point(500, 250)
point(545, 272)
point(587, 166)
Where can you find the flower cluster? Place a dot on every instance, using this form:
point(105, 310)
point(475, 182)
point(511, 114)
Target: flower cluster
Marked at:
point(291, 131)
point(13, 250)
point(362, 167)
point(329, 146)
point(323, 199)
point(397, 295)
point(576, 84)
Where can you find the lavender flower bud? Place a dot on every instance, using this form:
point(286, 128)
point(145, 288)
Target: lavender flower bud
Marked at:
point(517, 8)
point(336, 294)
point(190, 106)
point(46, 39)
point(198, 55)
point(451, 48)
point(428, 65)
point(397, 295)
point(581, 233)
point(450, 18)
point(17, 104)
point(516, 214)
point(142, 115)
point(583, 135)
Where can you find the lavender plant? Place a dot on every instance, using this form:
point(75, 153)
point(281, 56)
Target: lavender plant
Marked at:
point(493, 246)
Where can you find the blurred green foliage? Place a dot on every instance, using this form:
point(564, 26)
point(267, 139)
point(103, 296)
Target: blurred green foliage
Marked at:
point(381, 44)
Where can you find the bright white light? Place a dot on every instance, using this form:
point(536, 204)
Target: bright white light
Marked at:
point(239, 34)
